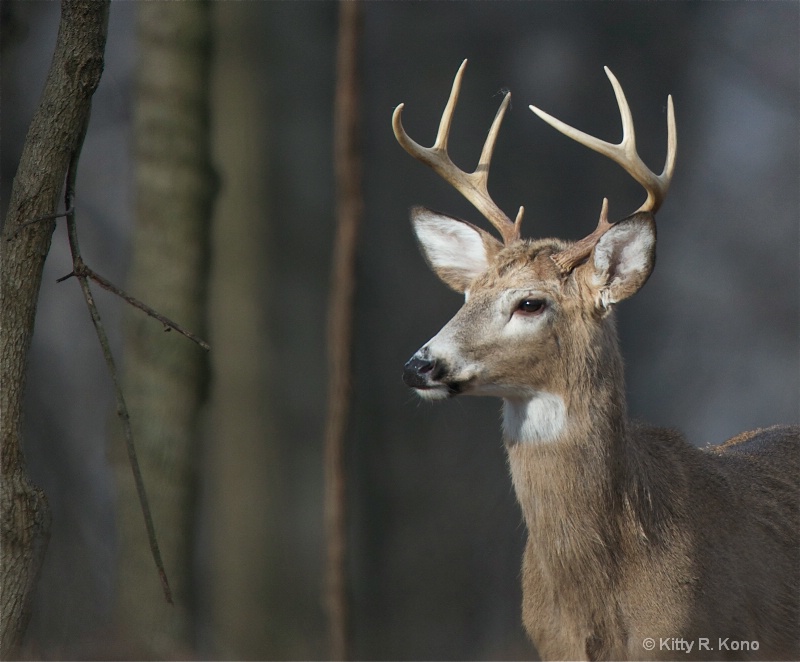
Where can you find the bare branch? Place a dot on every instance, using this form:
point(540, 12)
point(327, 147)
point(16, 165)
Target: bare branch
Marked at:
point(38, 219)
point(86, 272)
point(125, 419)
point(83, 273)
point(349, 210)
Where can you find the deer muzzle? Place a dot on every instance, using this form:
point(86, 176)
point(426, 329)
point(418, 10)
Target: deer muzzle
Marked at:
point(428, 376)
point(422, 372)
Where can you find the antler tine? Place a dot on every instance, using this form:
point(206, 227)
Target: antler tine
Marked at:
point(625, 153)
point(472, 185)
point(491, 140)
point(571, 257)
point(443, 134)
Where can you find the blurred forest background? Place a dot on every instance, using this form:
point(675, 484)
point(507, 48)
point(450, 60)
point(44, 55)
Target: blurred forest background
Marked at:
point(435, 534)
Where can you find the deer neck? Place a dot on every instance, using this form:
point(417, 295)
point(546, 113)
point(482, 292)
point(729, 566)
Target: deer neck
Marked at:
point(568, 450)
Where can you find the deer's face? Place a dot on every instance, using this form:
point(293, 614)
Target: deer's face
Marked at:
point(524, 319)
point(497, 342)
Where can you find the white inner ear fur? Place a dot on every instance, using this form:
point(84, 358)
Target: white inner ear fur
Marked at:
point(541, 418)
point(451, 244)
point(629, 245)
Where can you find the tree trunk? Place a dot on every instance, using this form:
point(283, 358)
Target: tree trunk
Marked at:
point(54, 135)
point(242, 496)
point(165, 375)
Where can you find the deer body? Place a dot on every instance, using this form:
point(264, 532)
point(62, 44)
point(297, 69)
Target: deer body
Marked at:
point(634, 535)
point(667, 544)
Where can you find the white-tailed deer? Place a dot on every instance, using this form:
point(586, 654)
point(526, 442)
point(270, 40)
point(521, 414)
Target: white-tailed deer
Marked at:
point(640, 545)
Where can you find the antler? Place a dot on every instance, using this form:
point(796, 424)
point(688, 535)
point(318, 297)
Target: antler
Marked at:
point(472, 185)
point(625, 155)
point(571, 257)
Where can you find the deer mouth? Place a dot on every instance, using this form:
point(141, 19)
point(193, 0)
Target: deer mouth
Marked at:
point(428, 377)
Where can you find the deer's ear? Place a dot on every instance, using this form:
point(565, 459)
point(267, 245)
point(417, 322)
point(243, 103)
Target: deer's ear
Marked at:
point(622, 260)
point(457, 251)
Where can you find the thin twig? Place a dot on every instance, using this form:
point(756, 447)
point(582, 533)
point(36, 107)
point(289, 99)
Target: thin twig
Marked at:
point(347, 164)
point(124, 417)
point(81, 272)
point(38, 219)
point(87, 272)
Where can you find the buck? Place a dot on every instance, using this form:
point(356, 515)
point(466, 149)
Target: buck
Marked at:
point(639, 544)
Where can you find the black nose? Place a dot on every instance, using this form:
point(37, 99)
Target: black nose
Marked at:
point(419, 372)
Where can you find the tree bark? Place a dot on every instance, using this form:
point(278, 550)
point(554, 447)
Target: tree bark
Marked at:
point(165, 376)
point(53, 136)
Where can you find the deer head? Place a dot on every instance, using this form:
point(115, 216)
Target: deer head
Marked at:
point(535, 321)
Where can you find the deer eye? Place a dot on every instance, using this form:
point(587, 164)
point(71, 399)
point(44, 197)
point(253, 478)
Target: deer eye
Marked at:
point(531, 306)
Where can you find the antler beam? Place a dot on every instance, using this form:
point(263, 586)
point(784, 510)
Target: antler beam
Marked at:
point(472, 185)
point(624, 153)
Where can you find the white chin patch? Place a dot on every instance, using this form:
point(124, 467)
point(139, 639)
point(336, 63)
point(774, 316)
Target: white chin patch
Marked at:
point(435, 393)
point(538, 419)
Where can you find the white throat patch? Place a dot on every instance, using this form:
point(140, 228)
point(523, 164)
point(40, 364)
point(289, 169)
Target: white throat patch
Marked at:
point(539, 419)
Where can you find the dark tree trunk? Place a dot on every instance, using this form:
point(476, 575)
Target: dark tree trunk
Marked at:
point(54, 134)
